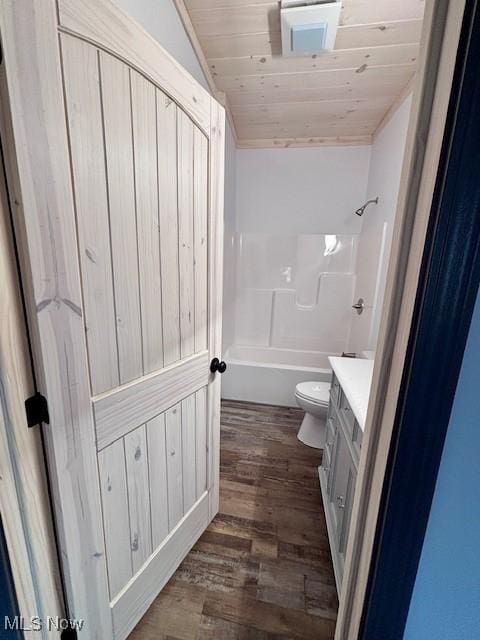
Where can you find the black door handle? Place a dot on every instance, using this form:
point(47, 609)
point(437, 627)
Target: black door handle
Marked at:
point(218, 365)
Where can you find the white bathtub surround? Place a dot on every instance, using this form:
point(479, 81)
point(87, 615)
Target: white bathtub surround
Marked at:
point(375, 239)
point(294, 291)
point(355, 377)
point(292, 310)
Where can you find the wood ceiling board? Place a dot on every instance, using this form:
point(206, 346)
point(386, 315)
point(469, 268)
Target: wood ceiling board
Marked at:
point(242, 44)
point(308, 127)
point(364, 11)
point(311, 111)
point(343, 59)
point(343, 92)
point(344, 124)
point(362, 8)
point(379, 34)
point(266, 17)
point(219, 4)
point(340, 124)
point(286, 143)
point(234, 20)
point(303, 130)
point(358, 36)
point(316, 79)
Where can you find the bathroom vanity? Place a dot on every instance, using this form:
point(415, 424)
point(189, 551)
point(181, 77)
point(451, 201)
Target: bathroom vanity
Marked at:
point(346, 416)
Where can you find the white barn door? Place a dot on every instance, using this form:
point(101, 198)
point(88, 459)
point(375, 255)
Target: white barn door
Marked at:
point(117, 193)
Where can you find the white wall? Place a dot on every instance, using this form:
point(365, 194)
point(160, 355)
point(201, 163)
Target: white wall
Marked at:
point(161, 20)
point(376, 236)
point(301, 190)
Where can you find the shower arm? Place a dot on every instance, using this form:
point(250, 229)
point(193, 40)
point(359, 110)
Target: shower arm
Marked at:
point(360, 211)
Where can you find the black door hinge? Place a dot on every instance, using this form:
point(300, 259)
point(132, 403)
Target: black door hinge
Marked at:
point(36, 408)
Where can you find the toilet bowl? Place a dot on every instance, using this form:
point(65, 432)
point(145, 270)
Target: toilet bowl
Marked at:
point(313, 398)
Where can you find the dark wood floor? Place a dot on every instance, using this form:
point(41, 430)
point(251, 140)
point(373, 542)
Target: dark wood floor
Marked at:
point(262, 570)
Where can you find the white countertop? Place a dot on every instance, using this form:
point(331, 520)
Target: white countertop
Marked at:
point(355, 377)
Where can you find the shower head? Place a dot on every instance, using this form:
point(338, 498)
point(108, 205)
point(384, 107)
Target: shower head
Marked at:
point(360, 211)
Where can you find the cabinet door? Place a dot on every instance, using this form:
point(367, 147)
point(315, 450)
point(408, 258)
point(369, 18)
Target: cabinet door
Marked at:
point(331, 428)
point(351, 478)
point(330, 452)
point(339, 483)
point(335, 389)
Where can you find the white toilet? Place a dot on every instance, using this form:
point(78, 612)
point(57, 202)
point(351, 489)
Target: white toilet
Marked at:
point(313, 398)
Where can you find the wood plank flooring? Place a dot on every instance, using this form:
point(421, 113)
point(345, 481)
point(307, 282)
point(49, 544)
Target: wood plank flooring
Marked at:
point(262, 570)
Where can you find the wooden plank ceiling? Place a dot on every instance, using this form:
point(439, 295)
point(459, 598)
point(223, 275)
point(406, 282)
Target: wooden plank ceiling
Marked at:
point(337, 97)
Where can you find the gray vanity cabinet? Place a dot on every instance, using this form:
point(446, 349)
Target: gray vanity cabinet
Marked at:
point(338, 474)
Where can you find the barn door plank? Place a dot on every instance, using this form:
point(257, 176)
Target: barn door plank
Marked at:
point(201, 440)
point(136, 460)
point(113, 483)
point(144, 119)
point(185, 232)
point(188, 452)
point(84, 117)
point(173, 421)
point(200, 172)
point(117, 119)
point(168, 204)
point(157, 461)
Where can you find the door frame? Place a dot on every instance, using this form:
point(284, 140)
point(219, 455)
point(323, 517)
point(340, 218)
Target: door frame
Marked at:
point(445, 301)
point(432, 89)
point(24, 495)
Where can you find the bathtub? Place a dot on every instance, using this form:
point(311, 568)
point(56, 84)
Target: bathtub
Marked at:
point(269, 375)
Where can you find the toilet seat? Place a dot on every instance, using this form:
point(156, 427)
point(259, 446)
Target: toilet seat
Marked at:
point(316, 392)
